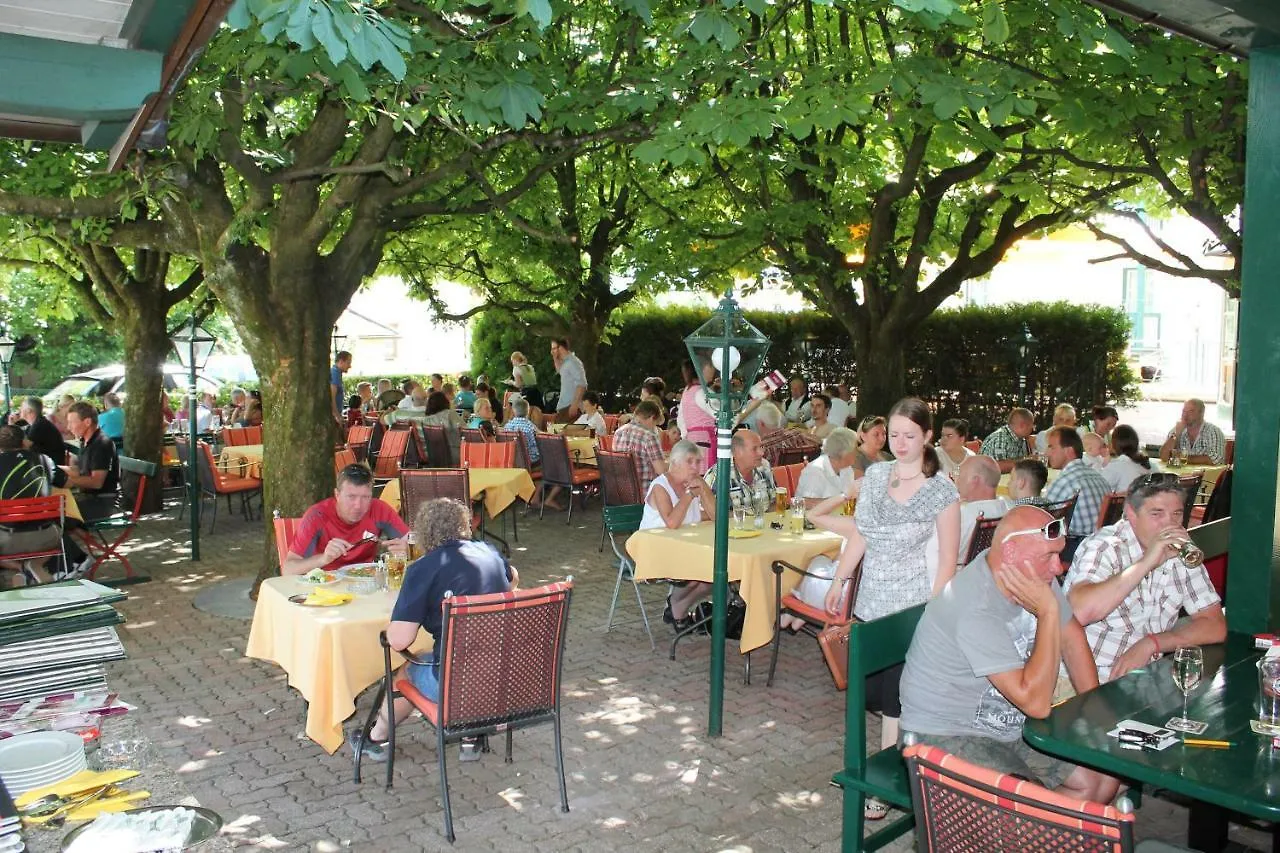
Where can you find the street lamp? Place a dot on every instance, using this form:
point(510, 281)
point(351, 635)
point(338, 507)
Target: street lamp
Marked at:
point(1026, 347)
point(193, 345)
point(338, 340)
point(736, 349)
point(7, 347)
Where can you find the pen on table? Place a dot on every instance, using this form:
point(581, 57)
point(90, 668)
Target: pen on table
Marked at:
point(1211, 744)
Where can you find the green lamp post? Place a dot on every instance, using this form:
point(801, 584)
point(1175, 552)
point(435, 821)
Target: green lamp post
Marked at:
point(736, 350)
point(193, 345)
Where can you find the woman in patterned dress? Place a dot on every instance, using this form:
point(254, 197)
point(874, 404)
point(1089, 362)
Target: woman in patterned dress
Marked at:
point(900, 505)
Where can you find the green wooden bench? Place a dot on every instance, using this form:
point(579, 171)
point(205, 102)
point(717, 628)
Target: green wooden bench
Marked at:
point(873, 646)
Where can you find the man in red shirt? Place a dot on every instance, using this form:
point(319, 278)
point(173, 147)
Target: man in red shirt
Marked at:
point(345, 529)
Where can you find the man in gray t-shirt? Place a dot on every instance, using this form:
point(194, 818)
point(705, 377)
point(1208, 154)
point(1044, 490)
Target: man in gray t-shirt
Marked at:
point(986, 653)
point(573, 381)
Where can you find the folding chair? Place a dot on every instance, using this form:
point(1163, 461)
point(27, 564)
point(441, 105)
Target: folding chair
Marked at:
point(625, 519)
point(29, 512)
point(500, 661)
point(960, 807)
point(216, 483)
point(815, 618)
point(558, 470)
point(1112, 509)
point(619, 483)
point(984, 530)
point(120, 525)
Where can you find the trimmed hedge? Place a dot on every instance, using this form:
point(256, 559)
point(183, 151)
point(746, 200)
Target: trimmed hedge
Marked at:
point(966, 363)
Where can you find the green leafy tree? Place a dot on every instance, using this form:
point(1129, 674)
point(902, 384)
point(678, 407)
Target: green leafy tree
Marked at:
point(880, 155)
point(64, 340)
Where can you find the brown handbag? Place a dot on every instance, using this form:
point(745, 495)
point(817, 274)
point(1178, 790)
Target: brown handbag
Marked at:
point(834, 639)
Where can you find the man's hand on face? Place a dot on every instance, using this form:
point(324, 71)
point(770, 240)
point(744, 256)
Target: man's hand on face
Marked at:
point(1027, 590)
point(335, 549)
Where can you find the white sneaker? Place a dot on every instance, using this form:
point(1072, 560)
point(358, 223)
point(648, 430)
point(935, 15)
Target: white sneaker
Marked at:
point(81, 568)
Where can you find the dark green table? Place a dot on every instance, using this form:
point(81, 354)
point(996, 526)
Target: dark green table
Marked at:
point(1244, 778)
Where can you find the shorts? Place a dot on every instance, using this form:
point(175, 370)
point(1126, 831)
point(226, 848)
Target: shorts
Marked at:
point(426, 679)
point(1015, 758)
point(24, 541)
point(882, 691)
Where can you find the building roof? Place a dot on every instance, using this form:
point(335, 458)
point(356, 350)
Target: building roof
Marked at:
point(96, 72)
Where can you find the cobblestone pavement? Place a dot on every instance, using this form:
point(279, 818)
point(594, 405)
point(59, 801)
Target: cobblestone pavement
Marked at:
point(642, 774)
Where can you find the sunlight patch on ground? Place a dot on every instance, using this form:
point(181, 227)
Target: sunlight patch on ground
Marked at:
point(612, 822)
point(689, 775)
point(192, 722)
point(240, 825)
point(513, 796)
point(192, 766)
point(801, 800)
point(134, 626)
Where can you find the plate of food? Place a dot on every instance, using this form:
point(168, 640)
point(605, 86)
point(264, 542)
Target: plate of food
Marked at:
point(321, 598)
point(319, 577)
point(359, 571)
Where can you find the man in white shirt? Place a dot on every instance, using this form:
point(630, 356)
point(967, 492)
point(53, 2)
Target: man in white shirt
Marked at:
point(976, 481)
point(840, 409)
point(832, 472)
point(1063, 415)
point(797, 405)
point(573, 381)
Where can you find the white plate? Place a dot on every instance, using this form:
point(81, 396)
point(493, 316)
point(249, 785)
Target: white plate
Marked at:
point(25, 778)
point(19, 790)
point(332, 578)
point(345, 569)
point(38, 750)
point(69, 761)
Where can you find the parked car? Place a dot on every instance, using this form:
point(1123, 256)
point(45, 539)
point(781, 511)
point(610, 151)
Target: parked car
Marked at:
point(97, 382)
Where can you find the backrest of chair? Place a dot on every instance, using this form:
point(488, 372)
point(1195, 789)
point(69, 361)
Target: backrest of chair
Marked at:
point(1112, 509)
point(500, 455)
point(974, 445)
point(1219, 505)
point(285, 528)
point(611, 423)
point(235, 436)
point(1229, 452)
point(472, 436)
point(439, 453)
point(604, 442)
point(1190, 485)
point(419, 485)
point(957, 802)
point(508, 436)
point(797, 457)
point(619, 482)
point(555, 459)
point(395, 444)
point(210, 476)
point(983, 532)
point(146, 472)
point(873, 646)
point(253, 434)
point(622, 518)
point(1063, 509)
point(473, 455)
point(789, 476)
point(501, 656)
point(26, 510)
point(342, 457)
point(358, 438)
point(522, 449)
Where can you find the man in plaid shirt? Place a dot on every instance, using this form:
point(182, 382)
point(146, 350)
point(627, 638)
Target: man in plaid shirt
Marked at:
point(1066, 452)
point(750, 478)
point(775, 440)
point(1009, 443)
point(640, 439)
point(1127, 584)
point(1198, 442)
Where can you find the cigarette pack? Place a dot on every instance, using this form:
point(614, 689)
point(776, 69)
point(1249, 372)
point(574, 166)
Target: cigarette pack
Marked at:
point(1265, 641)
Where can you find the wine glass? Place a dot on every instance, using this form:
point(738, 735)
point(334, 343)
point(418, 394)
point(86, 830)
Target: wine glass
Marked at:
point(1188, 665)
point(739, 516)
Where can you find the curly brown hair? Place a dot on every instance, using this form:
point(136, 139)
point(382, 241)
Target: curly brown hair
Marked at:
point(441, 520)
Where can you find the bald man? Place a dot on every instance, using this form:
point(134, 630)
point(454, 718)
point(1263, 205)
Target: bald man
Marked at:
point(1199, 442)
point(1009, 443)
point(986, 653)
point(976, 480)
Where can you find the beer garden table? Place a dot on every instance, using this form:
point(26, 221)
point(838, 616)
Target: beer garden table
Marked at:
point(1244, 778)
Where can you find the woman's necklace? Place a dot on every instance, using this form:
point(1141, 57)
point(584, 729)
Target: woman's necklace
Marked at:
point(897, 480)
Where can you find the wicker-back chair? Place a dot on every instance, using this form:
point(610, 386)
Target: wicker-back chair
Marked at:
point(798, 457)
point(419, 485)
point(471, 436)
point(391, 454)
point(1063, 509)
point(984, 530)
point(439, 453)
point(956, 803)
point(215, 482)
point(358, 438)
point(500, 663)
point(489, 455)
point(558, 470)
point(619, 482)
point(1112, 509)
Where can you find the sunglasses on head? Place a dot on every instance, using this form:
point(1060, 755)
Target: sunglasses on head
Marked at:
point(1055, 529)
point(1156, 479)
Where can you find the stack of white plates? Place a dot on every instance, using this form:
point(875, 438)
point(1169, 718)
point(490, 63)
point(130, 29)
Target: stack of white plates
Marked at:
point(34, 760)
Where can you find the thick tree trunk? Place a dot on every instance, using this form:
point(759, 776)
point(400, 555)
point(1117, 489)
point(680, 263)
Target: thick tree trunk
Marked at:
point(882, 374)
point(290, 352)
point(146, 344)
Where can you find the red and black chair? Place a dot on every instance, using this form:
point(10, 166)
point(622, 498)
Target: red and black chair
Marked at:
point(30, 513)
point(500, 661)
point(103, 537)
point(558, 470)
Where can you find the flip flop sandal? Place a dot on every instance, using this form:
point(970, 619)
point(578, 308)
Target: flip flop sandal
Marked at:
point(874, 809)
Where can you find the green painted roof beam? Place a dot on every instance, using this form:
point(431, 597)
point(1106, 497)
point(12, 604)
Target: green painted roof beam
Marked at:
point(57, 79)
point(101, 135)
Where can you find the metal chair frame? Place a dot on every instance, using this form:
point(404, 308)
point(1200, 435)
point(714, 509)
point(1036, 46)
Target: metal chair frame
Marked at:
point(625, 519)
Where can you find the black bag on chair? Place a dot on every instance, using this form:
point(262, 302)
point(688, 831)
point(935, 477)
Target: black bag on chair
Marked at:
point(734, 617)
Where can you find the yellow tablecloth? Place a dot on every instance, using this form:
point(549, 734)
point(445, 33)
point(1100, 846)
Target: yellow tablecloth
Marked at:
point(687, 552)
point(331, 654)
point(72, 508)
point(500, 487)
point(244, 460)
point(582, 449)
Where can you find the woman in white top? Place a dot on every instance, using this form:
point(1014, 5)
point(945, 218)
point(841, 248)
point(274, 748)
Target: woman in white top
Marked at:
point(676, 498)
point(591, 415)
point(951, 450)
point(1127, 461)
